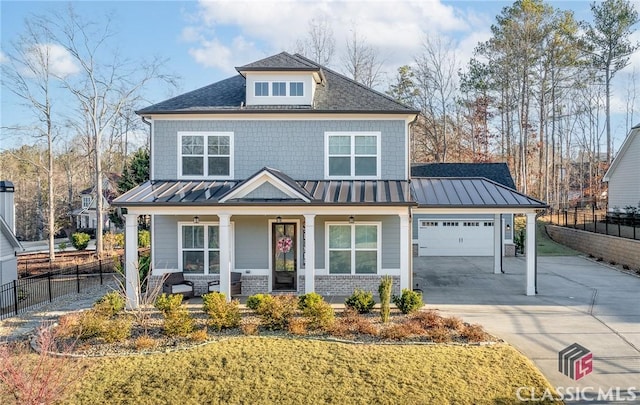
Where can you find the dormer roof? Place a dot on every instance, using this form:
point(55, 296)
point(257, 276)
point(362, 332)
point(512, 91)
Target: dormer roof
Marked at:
point(282, 62)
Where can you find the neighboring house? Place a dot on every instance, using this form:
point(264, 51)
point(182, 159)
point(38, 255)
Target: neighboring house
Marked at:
point(9, 244)
point(86, 217)
point(623, 175)
point(289, 173)
point(461, 235)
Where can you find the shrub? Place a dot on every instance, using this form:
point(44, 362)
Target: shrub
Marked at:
point(249, 328)
point(409, 301)
point(352, 323)
point(116, 330)
point(113, 240)
point(62, 246)
point(308, 300)
point(474, 334)
point(439, 334)
point(396, 332)
point(318, 314)
point(144, 265)
point(276, 311)
point(362, 301)
point(428, 319)
point(253, 302)
point(222, 314)
point(90, 325)
point(384, 289)
point(110, 304)
point(80, 240)
point(67, 325)
point(199, 336)
point(168, 304)
point(297, 326)
point(453, 323)
point(144, 239)
point(144, 342)
point(178, 323)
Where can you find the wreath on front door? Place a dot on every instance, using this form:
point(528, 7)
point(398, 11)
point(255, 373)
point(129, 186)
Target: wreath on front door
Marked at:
point(284, 244)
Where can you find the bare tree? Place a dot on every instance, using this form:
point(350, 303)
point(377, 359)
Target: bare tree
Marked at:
point(319, 45)
point(30, 75)
point(362, 61)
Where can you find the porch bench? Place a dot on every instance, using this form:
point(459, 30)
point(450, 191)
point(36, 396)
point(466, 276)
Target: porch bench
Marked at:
point(176, 284)
point(236, 284)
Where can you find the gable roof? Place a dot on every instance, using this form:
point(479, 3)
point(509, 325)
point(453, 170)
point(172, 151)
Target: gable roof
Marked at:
point(623, 149)
point(337, 94)
point(469, 192)
point(6, 231)
point(281, 181)
point(497, 172)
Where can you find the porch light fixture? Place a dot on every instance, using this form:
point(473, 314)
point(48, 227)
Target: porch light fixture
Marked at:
point(196, 219)
point(352, 219)
point(508, 227)
point(278, 219)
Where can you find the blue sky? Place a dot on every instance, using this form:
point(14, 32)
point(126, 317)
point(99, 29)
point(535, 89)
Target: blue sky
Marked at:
point(204, 41)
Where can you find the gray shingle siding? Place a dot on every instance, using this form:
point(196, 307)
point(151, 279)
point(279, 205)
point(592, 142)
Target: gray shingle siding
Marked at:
point(294, 147)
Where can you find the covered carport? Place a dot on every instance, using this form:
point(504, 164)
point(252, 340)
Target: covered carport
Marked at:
point(480, 196)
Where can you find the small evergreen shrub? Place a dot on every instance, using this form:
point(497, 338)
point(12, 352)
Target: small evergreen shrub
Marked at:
point(249, 328)
point(178, 323)
point(276, 311)
point(63, 246)
point(222, 314)
point(362, 301)
point(384, 289)
point(110, 304)
point(90, 325)
point(253, 302)
point(409, 301)
point(168, 304)
point(80, 240)
point(318, 314)
point(116, 330)
point(297, 326)
point(144, 239)
point(199, 335)
point(308, 300)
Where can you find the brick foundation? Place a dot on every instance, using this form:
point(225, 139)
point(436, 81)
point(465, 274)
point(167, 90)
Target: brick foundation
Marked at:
point(609, 248)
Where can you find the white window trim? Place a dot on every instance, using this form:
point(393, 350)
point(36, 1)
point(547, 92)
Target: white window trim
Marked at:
point(352, 155)
point(206, 134)
point(206, 249)
point(353, 247)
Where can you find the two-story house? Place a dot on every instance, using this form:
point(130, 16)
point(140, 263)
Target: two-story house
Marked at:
point(9, 244)
point(288, 173)
point(86, 217)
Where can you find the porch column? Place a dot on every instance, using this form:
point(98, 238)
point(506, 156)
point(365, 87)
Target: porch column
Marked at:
point(405, 251)
point(497, 244)
point(132, 278)
point(225, 255)
point(309, 253)
point(531, 253)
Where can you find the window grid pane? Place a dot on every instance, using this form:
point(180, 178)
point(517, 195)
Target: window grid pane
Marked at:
point(366, 237)
point(279, 88)
point(339, 236)
point(366, 166)
point(340, 262)
point(296, 89)
point(262, 89)
point(366, 262)
point(366, 145)
point(193, 145)
point(340, 145)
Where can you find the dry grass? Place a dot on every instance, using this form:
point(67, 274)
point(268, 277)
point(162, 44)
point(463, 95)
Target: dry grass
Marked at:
point(144, 342)
point(263, 370)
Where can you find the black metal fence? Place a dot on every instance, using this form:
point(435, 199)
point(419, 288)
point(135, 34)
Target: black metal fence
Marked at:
point(29, 292)
point(599, 221)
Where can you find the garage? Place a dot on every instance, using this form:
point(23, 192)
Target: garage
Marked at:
point(455, 237)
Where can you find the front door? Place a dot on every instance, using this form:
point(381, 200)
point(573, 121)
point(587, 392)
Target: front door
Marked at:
point(284, 256)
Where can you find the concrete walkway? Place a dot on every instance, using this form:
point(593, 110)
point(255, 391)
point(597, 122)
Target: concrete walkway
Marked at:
point(578, 301)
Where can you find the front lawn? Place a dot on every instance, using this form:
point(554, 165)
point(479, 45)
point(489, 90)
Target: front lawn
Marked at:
point(547, 246)
point(259, 370)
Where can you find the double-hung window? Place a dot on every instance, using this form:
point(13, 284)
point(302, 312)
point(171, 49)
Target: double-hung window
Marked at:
point(86, 202)
point(206, 154)
point(296, 89)
point(200, 248)
point(352, 155)
point(353, 248)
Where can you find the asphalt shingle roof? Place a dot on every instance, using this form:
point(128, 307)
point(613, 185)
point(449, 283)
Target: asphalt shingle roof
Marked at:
point(498, 172)
point(337, 93)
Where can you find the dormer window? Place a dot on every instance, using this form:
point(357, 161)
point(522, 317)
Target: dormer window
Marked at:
point(296, 89)
point(262, 89)
point(279, 89)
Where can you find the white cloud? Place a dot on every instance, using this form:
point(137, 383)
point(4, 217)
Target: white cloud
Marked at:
point(60, 61)
point(3, 57)
point(261, 28)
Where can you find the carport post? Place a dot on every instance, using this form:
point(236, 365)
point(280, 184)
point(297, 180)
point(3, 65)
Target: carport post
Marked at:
point(497, 244)
point(531, 253)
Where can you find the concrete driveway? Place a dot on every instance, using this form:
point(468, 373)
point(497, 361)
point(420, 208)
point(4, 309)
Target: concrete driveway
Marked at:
point(578, 301)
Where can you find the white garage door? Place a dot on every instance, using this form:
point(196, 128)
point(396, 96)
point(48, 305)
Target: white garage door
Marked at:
point(455, 237)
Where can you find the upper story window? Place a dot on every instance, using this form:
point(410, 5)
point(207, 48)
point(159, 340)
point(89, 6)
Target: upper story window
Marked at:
point(206, 154)
point(279, 89)
point(262, 88)
point(352, 155)
point(86, 202)
point(296, 89)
